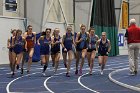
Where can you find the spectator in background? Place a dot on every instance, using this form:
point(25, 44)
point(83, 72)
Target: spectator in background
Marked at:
point(132, 36)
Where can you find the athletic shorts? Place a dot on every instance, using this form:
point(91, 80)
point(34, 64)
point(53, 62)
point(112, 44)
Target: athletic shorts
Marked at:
point(10, 49)
point(68, 49)
point(54, 51)
point(24, 50)
point(90, 50)
point(102, 54)
point(78, 49)
point(44, 52)
point(18, 51)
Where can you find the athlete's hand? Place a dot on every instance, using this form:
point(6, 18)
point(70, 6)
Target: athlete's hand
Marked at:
point(8, 47)
point(65, 49)
point(107, 53)
point(49, 42)
point(57, 42)
point(97, 51)
point(26, 49)
point(81, 39)
point(38, 43)
point(89, 45)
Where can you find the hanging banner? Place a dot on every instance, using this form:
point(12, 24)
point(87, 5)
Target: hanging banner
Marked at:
point(125, 15)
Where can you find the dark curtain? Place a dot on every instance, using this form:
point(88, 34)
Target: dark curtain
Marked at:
point(104, 20)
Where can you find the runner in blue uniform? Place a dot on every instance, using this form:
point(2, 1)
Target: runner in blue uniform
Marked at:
point(103, 46)
point(81, 47)
point(91, 52)
point(30, 37)
point(44, 41)
point(67, 43)
point(55, 50)
point(17, 44)
point(9, 46)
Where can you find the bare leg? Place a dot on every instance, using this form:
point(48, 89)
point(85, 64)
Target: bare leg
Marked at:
point(100, 58)
point(69, 62)
point(53, 59)
point(30, 59)
point(88, 57)
point(77, 61)
point(65, 59)
point(23, 60)
point(10, 60)
point(57, 57)
point(13, 63)
point(92, 60)
point(84, 52)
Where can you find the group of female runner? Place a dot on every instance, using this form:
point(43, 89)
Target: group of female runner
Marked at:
point(83, 44)
point(19, 45)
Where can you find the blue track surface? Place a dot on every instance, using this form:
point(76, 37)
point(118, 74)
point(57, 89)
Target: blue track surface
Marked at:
point(58, 83)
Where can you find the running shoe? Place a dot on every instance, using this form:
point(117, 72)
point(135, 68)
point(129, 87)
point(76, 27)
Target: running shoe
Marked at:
point(101, 72)
point(76, 72)
point(28, 72)
point(21, 71)
point(41, 64)
point(53, 64)
point(65, 65)
point(12, 75)
point(43, 73)
point(55, 70)
point(135, 72)
point(11, 72)
point(132, 73)
point(17, 66)
point(67, 75)
point(90, 72)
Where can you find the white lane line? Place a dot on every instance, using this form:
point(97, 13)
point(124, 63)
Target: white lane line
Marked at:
point(79, 81)
point(45, 82)
point(21, 77)
point(8, 85)
point(120, 83)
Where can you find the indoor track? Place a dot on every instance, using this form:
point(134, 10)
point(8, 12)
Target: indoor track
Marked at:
point(35, 82)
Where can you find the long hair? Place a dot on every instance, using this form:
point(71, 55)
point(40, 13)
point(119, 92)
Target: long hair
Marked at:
point(44, 32)
point(12, 30)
